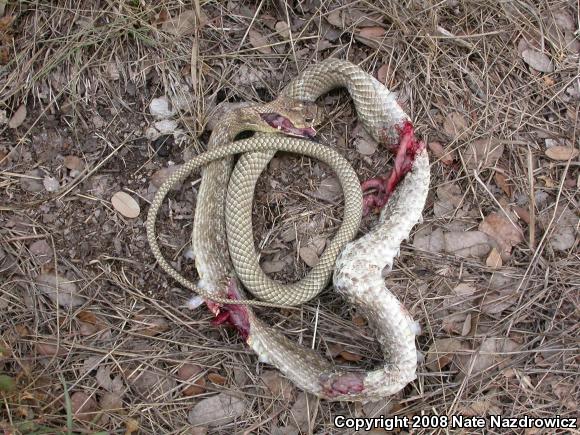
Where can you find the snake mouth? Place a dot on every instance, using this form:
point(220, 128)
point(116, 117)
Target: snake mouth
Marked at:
point(286, 126)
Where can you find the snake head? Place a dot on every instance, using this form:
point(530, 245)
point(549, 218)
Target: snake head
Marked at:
point(284, 125)
point(291, 117)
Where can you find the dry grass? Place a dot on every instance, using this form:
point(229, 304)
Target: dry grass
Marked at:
point(87, 72)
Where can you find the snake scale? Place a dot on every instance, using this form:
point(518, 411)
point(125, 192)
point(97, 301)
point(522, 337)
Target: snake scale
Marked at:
point(224, 206)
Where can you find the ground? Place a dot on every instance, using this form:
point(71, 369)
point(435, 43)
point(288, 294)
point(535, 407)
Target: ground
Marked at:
point(491, 274)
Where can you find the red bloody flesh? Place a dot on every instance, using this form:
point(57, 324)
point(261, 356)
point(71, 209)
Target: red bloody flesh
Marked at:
point(342, 384)
point(286, 126)
point(408, 148)
point(232, 314)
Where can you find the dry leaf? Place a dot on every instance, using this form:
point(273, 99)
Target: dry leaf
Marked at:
point(441, 353)
point(538, 60)
point(467, 243)
point(497, 301)
point(47, 349)
point(150, 383)
point(450, 193)
point(184, 24)
point(74, 163)
point(272, 266)
point(522, 213)
point(131, 425)
point(494, 259)
point(41, 251)
point(87, 317)
point(466, 329)
point(372, 32)
point(302, 411)
point(502, 230)
point(328, 190)
point(111, 402)
point(259, 42)
point(59, 290)
point(161, 175)
point(278, 385)
point(18, 117)
point(83, 406)
point(282, 29)
point(334, 17)
point(125, 204)
point(461, 298)
point(479, 408)
point(564, 228)
point(104, 380)
point(284, 430)
point(483, 153)
point(186, 373)
point(216, 410)
point(446, 157)
point(455, 125)
point(349, 356)
point(491, 352)
point(359, 320)
point(561, 153)
point(464, 289)
point(382, 73)
point(216, 378)
point(433, 242)
point(502, 181)
point(454, 323)
point(309, 256)
point(564, 391)
point(32, 181)
point(151, 325)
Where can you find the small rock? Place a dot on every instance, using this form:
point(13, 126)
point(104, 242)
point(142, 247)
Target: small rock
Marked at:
point(51, 184)
point(166, 126)
point(161, 108)
point(125, 204)
point(366, 147)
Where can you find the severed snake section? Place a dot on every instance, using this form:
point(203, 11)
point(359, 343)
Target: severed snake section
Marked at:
point(225, 252)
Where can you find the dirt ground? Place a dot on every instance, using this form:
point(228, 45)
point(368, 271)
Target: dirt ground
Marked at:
point(101, 97)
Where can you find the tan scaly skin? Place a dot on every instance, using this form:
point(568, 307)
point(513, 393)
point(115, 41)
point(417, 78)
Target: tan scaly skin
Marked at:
point(359, 268)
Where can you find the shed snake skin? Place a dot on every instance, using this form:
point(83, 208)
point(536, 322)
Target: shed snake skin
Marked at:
point(358, 270)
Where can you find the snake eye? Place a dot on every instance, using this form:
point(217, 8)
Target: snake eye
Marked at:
point(309, 120)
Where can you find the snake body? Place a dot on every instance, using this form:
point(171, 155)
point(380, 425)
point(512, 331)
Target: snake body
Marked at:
point(360, 264)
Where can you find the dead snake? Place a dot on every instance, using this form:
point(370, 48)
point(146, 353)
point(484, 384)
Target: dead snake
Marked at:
point(360, 266)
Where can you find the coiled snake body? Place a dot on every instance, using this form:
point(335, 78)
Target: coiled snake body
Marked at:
point(358, 272)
